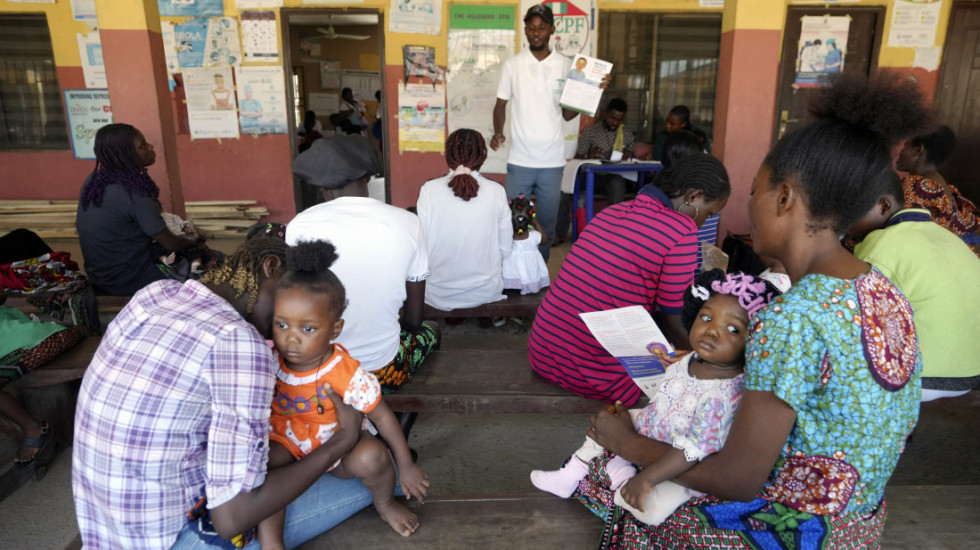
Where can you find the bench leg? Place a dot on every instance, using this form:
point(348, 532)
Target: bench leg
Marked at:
point(407, 420)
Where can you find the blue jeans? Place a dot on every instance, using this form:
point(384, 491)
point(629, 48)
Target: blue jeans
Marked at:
point(545, 185)
point(328, 502)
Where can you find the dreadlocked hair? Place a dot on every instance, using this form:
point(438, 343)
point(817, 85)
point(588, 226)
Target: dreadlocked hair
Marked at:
point(521, 213)
point(466, 148)
point(308, 266)
point(243, 268)
point(753, 293)
point(116, 162)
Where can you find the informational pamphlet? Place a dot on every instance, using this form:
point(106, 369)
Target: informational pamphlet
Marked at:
point(582, 91)
point(631, 336)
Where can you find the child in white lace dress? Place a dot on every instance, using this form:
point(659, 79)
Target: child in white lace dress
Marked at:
point(694, 404)
point(524, 269)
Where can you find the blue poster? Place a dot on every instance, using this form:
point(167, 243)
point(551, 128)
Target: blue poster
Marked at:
point(88, 110)
point(191, 37)
point(191, 8)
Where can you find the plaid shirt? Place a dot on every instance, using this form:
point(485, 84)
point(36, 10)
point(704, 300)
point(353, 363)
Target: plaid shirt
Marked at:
point(598, 136)
point(175, 403)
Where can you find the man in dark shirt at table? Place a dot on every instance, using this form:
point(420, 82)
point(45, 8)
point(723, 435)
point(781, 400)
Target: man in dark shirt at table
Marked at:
point(598, 142)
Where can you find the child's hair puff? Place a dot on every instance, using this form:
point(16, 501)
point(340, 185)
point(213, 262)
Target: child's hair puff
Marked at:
point(308, 265)
point(753, 293)
point(521, 213)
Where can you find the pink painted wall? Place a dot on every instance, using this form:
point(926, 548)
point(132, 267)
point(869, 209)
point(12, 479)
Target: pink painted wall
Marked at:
point(744, 114)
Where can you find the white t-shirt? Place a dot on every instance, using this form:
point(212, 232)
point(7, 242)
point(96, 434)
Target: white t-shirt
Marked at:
point(380, 248)
point(466, 241)
point(533, 88)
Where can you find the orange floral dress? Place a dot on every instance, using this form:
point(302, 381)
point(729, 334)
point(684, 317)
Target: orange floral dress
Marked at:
point(956, 213)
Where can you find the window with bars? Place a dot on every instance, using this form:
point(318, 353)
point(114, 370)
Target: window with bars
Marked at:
point(31, 111)
point(659, 61)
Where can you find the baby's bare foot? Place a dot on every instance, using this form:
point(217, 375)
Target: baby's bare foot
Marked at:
point(403, 521)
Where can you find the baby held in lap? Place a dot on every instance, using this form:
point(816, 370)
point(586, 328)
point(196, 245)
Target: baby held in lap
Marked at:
point(694, 405)
point(308, 307)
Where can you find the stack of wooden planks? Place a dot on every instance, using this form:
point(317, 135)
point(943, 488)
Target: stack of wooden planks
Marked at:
point(55, 218)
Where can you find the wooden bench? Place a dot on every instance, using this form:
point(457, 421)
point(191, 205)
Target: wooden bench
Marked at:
point(477, 381)
point(518, 305)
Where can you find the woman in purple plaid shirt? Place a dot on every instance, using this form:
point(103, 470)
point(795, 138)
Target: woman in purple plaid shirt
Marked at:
point(172, 424)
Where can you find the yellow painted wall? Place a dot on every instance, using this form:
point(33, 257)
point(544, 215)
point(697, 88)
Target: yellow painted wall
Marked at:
point(751, 14)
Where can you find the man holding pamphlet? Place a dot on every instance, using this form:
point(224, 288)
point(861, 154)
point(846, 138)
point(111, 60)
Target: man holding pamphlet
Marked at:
point(534, 80)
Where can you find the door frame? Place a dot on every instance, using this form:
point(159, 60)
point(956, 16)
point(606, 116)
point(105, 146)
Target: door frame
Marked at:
point(287, 64)
point(806, 9)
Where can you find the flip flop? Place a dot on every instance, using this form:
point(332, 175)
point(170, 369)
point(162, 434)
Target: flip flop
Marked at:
point(44, 446)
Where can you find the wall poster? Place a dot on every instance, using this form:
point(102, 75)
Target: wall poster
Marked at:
point(823, 41)
point(222, 46)
point(415, 16)
point(914, 23)
point(93, 67)
point(211, 108)
point(88, 110)
point(259, 36)
point(481, 38)
point(261, 100)
point(190, 37)
point(421, 117)
point(191, 8)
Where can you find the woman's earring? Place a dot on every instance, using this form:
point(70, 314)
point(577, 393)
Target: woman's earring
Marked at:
point(697, 211)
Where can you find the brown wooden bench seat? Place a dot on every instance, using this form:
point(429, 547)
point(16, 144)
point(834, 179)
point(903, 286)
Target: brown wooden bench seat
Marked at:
point(475, 381)
point(518, 305)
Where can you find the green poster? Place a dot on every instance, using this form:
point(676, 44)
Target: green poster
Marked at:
point(481, 17)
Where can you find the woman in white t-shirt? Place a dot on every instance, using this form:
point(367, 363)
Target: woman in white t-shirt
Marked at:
point(467, 227)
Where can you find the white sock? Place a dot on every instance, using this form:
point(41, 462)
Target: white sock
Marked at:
point(561, 482)
point(619, 471)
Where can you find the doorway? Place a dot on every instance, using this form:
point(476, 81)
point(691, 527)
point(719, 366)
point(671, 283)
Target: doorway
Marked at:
point(326, 51)
point(957, 101)
point(860, 55)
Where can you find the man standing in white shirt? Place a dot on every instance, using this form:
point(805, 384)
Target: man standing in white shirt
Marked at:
point(534, 79)
point(382, 259)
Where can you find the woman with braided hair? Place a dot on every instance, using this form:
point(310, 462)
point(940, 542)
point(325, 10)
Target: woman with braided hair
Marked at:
point(468, 232)
point(119, 216)
point(641, 252)
point(172, 423)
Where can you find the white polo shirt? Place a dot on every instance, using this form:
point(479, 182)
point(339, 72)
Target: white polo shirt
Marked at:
point(533, 88)
point(379, 248)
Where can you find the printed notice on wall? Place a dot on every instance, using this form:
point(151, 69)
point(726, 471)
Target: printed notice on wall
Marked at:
point(190, 36)
point(823, 39)
point(244, 4)
point(83, 9)
point(88, 110)
point(914, 23)
point(481, 38)
point(191, 8)
point(211, 108)
point(93, 68)
point(261, 100)
point(259, 36)
point(222, 46)
point(421, 117)
point(415, 16)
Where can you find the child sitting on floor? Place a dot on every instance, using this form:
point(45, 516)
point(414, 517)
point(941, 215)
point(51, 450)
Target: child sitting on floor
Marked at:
point(524, 269)
point(694, 405)
point(309, 303)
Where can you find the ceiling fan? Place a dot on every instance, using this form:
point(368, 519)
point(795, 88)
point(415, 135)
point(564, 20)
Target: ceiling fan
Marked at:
point(330, 33)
